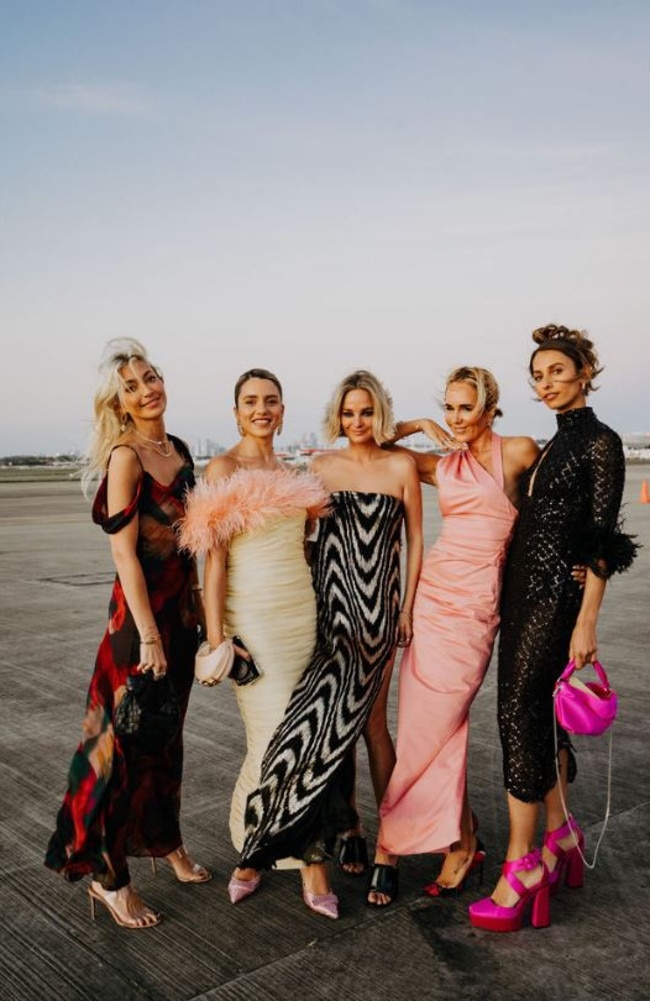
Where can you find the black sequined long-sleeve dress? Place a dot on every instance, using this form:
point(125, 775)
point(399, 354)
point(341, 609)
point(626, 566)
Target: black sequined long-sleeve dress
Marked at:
point(570, 501)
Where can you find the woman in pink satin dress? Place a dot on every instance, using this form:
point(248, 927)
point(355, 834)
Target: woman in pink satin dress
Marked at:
point(455, 621)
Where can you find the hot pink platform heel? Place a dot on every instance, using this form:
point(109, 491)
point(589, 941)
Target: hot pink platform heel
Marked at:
point(570, 863)
point(486, 914)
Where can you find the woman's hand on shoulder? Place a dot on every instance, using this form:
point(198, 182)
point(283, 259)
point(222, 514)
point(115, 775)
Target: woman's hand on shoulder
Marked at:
point(441, 437)
point(425, 425)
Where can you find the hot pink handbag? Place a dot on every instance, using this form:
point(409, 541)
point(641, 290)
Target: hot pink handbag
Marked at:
point(584, 707)
point(587, 707)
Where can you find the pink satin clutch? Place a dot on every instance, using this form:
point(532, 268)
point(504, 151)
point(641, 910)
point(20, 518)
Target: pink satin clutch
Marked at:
point(584, 707)
point(212, 666)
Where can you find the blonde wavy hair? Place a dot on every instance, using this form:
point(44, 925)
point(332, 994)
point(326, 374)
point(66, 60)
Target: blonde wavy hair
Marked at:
point(383, 422)
point(109, 423)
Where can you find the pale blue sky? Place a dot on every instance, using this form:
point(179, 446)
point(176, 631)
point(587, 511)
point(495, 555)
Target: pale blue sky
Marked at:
point(317, 186)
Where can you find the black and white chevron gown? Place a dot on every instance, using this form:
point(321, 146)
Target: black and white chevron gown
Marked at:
point(303, 800)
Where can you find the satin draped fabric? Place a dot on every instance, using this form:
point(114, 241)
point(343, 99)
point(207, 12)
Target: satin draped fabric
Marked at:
point(455, 620)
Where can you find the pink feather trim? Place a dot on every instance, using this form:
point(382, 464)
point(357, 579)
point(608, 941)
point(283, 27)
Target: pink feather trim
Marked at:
point(244, 502)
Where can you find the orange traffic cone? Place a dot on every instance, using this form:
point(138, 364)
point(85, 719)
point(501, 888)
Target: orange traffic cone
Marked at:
point(644, 498)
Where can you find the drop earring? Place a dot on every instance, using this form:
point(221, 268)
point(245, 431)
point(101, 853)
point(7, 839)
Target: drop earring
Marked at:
point(123, 422)
point(240, 429)
point(279, 430)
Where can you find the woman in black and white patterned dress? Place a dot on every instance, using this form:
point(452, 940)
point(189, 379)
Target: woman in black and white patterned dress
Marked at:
point(305, 795)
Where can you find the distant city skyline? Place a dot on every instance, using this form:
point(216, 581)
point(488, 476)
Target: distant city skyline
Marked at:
point(206, 448)
point(315, 186)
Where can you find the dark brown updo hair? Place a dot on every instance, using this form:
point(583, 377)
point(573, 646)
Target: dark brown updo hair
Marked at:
point(574, 344)
point(256, 373)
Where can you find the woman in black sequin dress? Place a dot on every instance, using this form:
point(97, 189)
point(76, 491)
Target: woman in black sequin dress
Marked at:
point(569, 514)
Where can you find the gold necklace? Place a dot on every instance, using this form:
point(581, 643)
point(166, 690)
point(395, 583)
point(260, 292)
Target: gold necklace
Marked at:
point(163, 448)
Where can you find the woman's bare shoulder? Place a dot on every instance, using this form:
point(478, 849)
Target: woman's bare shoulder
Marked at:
point(125, 453)
point(401, 461)
point(323, 461)
point(402, 457)
point(521, 450)
point(124, 461)
point(219, 467)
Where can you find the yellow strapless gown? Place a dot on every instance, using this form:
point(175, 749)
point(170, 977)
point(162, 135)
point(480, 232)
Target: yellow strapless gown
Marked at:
point(270, 604)
point(260, 516)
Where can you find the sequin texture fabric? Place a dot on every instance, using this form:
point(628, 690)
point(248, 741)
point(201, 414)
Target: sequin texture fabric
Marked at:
point(570, 501)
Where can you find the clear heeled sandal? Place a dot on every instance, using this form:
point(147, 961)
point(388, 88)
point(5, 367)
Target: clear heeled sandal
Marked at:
point(144, 917)
point(184, 868)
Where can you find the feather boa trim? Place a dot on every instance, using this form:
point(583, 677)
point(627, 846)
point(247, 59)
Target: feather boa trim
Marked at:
point(244, 502)
point(606, 551)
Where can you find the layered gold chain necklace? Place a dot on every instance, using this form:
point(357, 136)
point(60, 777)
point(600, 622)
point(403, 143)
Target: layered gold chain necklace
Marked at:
point(163, 448)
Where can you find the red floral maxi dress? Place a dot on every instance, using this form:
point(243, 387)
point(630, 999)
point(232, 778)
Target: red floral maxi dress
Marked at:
point(120, 801)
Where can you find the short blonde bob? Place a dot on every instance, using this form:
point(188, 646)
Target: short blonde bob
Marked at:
point(383, 422)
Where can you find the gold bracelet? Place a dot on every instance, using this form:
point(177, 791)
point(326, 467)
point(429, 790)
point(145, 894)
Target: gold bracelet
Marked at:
point(403, 611)
point(150, 641)
point(196, 587)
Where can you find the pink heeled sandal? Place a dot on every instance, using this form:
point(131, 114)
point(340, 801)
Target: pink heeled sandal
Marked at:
point(570, 863)
point(492, 917)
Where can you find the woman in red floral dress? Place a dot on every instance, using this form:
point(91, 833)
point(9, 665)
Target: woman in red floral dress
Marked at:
point(122, 800)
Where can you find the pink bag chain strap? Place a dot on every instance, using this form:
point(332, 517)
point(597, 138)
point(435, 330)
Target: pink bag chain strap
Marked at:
point(590, 865)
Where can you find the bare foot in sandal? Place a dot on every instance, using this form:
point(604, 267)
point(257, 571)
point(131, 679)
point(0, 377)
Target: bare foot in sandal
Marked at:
point(125, 907)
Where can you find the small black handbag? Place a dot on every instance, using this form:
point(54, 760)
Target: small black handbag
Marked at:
point(148, 716)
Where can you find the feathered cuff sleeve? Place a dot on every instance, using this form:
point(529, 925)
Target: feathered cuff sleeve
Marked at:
point(245, 502)
point(606, 551)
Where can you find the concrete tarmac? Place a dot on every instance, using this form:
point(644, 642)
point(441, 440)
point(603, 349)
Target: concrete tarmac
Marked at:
point(55, 578)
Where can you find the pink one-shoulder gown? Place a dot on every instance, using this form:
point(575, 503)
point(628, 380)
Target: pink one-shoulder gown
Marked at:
point(455, 620)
